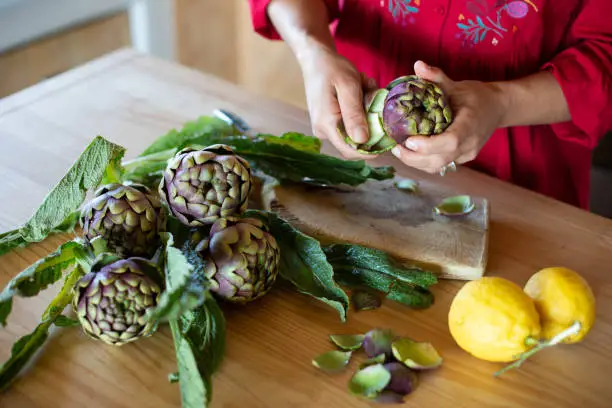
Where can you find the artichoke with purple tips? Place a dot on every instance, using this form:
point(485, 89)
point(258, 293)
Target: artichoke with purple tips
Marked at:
point(201, 186)
point(112, 300)
point(241, 258)
point(408, 106)
point(128, 217)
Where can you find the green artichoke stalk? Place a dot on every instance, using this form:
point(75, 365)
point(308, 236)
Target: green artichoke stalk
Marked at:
point(201, 186)
point(112, 300)
point(128, 217)
point(408, 106)
point(241, 258)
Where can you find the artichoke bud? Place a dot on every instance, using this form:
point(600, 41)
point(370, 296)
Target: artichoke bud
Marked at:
point(407, 106)
point(200, 186)
point(241, 258)
point(113, 299)
point(125, 219)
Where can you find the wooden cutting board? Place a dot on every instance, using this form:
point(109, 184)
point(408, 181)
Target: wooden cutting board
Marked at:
point(378, 215)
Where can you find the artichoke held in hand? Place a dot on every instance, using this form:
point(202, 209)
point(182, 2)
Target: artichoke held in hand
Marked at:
point(200, 186)
point(408, 106)
point(128, 217)
point(112, 300)
point(241, 258)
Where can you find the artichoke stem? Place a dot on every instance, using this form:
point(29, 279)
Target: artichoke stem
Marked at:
point(540, 345)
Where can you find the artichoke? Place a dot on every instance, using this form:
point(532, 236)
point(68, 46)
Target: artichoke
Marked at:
point(241, 258)
point(201, 186)
point(408, 106)
point(112, 300)
point(128, 217)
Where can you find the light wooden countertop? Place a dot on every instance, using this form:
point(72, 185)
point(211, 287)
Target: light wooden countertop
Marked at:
point(132, 99)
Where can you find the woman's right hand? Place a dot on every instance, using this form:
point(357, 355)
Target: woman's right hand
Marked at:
point(334, 92)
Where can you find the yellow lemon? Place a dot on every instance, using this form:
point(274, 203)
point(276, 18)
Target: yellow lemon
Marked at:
point(493, 319)
point(562, 297)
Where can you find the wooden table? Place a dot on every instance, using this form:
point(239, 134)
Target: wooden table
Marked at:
point(131, 99)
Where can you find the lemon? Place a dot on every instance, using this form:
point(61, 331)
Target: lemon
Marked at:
point(562, 297)
point(493, 319)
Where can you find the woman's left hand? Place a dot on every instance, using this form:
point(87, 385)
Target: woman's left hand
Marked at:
point(478, 109)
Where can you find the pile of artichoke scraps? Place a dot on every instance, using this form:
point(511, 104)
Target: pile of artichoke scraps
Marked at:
point(171, 235)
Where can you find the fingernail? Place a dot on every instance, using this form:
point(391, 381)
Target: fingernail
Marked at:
point(411, 145)
point(360, 135)
point(396, 151)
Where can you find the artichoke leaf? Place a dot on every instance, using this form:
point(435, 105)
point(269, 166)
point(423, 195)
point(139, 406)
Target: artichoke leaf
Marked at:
point(99, 163)
point(38, 276)
point(26, 347)
point(304, 264)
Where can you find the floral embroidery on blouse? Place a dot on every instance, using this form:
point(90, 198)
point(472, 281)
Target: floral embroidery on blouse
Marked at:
point(489, 21)
point(402, 10)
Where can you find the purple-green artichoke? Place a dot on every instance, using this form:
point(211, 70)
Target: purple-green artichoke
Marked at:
point(200, 186)
point(112, 300)
point(241, 258)
point(408, 106)
point(128, 217)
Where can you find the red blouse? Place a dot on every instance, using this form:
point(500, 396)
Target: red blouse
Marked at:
point(492, 40)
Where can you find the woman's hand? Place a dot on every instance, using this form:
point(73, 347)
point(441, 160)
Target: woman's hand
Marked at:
point(478, 109)
point(334, 91)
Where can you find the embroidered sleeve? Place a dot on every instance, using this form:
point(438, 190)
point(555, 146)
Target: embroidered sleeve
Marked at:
point(264, 27)
point(584, 71)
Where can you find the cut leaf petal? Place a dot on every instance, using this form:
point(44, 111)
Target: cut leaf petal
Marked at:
point(416, 355)
point(347, 341)
point(332, 361)
point(369, 381)
point(377, 102)
point(365, 300)
point(378, 341)
point(456, 205)
point(389, 397)
point(407, 185)
point(403, 379)
point(379, 359)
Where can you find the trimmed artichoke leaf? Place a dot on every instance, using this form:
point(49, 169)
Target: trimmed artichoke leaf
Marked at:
point(25, 348)
point(303, 263)
point(377, 102)
point(379, 359)
point(377, 342)
point(416, 355)
point(38, 276)
point(199, 340)
point(377, 133)
point(407, 185)
point(347, 341)
point(456, 205)
point(403, 380)
point(357, 265)
point(186, 288)
point(332, 361)
point(369, 381)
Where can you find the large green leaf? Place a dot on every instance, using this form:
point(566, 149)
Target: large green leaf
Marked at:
point(198, 329)
point(24, 349)
point(356, 265)
point(98, 164)
point(40, 275)
point(304, 263)
point(289, 157)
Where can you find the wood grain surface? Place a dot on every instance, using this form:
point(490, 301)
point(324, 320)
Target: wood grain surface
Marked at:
point(379, 215)
point(131, 99)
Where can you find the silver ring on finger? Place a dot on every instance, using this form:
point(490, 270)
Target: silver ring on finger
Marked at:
point(452, 166)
